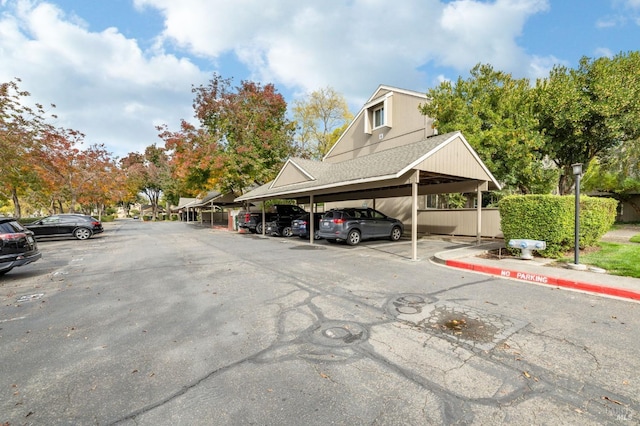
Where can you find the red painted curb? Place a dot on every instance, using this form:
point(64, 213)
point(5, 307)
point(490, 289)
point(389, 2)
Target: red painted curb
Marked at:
point(545, 279)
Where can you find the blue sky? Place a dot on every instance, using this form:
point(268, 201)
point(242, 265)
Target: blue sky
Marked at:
point(118, 68)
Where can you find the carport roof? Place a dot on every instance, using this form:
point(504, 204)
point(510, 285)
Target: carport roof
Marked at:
point(383, 167)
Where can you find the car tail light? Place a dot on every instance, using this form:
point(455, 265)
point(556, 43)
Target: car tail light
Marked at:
point(247, 217)
point(338, 221)
point(96, 223)
point(13, 237)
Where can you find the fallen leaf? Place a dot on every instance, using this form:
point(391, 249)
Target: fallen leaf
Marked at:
point(527, 375)
point(324, 376)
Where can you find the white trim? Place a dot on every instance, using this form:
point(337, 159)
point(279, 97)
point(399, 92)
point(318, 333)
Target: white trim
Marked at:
point(297, 166)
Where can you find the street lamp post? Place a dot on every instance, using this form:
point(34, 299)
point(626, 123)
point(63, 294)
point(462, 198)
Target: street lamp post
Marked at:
point(577, 172)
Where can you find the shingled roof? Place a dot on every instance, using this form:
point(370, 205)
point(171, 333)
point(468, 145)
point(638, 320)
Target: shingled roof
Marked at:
point(310, 176)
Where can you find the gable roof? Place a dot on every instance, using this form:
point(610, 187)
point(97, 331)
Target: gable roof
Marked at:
point(385, 167)
point(378, 95)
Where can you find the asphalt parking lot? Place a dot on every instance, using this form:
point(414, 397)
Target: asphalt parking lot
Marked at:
point(169, 323)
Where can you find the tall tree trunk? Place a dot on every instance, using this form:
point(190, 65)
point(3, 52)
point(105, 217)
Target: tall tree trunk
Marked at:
point(17, 211)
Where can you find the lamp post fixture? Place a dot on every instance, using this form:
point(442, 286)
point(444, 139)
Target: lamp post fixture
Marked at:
point(577, 172)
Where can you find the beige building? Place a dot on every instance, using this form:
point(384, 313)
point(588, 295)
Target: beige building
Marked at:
point(389, 158)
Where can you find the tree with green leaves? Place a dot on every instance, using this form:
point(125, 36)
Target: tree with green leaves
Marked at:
point(585, 112)
point(493, 111)
point(616, 173)
point(323, 113)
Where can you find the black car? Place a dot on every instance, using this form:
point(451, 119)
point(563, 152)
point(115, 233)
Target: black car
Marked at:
point(279, 228)
point(17, 245)
point(353, 225)
point(79, 226)
point(300, 226)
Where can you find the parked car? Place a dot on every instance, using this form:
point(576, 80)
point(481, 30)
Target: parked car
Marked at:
point(353, 225)
point(279, 227)
point(79, 226)
point(300, 226)
point(252, 220)
point(17, 245)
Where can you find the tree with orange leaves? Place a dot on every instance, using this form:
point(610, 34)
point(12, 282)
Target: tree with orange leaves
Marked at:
point(244, 138)
point(21, 130)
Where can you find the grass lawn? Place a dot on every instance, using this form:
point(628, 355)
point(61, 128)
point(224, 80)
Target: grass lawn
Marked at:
point(617, 259)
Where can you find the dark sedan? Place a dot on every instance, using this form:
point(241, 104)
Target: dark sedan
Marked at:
point(353, 225)
point(79, 226)
point(300, 226)
point(17, 245)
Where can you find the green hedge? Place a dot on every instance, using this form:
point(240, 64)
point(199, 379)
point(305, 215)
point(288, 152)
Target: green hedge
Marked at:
point(551, 218)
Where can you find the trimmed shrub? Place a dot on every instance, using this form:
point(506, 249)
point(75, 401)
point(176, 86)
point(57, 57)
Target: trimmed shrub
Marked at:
point(551, 218)
point(597, 215)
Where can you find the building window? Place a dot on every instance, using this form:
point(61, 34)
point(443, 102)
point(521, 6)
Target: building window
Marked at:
point(378, 113)
point(378, 116)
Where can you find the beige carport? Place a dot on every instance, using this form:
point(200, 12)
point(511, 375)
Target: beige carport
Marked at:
point(435, 165)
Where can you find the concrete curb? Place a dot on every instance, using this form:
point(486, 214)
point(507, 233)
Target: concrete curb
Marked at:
point(543, 279)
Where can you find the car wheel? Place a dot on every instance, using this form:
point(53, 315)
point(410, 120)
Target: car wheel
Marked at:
point(286, 231)
point(82, 233)
point(316, 235)
point(259, 228)
point(353, 237)
point(332, 240)
point(396, 233)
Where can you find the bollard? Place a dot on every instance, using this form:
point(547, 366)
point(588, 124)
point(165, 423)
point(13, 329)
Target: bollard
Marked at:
point(526, 246)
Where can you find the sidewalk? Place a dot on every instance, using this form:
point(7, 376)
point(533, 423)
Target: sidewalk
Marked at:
point(539, 271)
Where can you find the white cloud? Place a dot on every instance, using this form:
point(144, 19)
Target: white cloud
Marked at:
point(103, 84)
point(107, 86)
point(351, 45)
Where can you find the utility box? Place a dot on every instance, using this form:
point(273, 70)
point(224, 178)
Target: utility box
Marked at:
point(526, 246)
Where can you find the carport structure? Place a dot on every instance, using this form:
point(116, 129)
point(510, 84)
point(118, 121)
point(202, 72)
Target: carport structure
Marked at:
point(436, 164)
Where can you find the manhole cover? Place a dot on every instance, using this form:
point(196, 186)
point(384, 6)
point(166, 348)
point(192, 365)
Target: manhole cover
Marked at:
point(339, 333)
point(408, 304)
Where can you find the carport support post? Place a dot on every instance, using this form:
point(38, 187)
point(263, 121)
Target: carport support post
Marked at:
point(312, 219)
point(479, 223)
point(264, 216)
point(414, 215)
